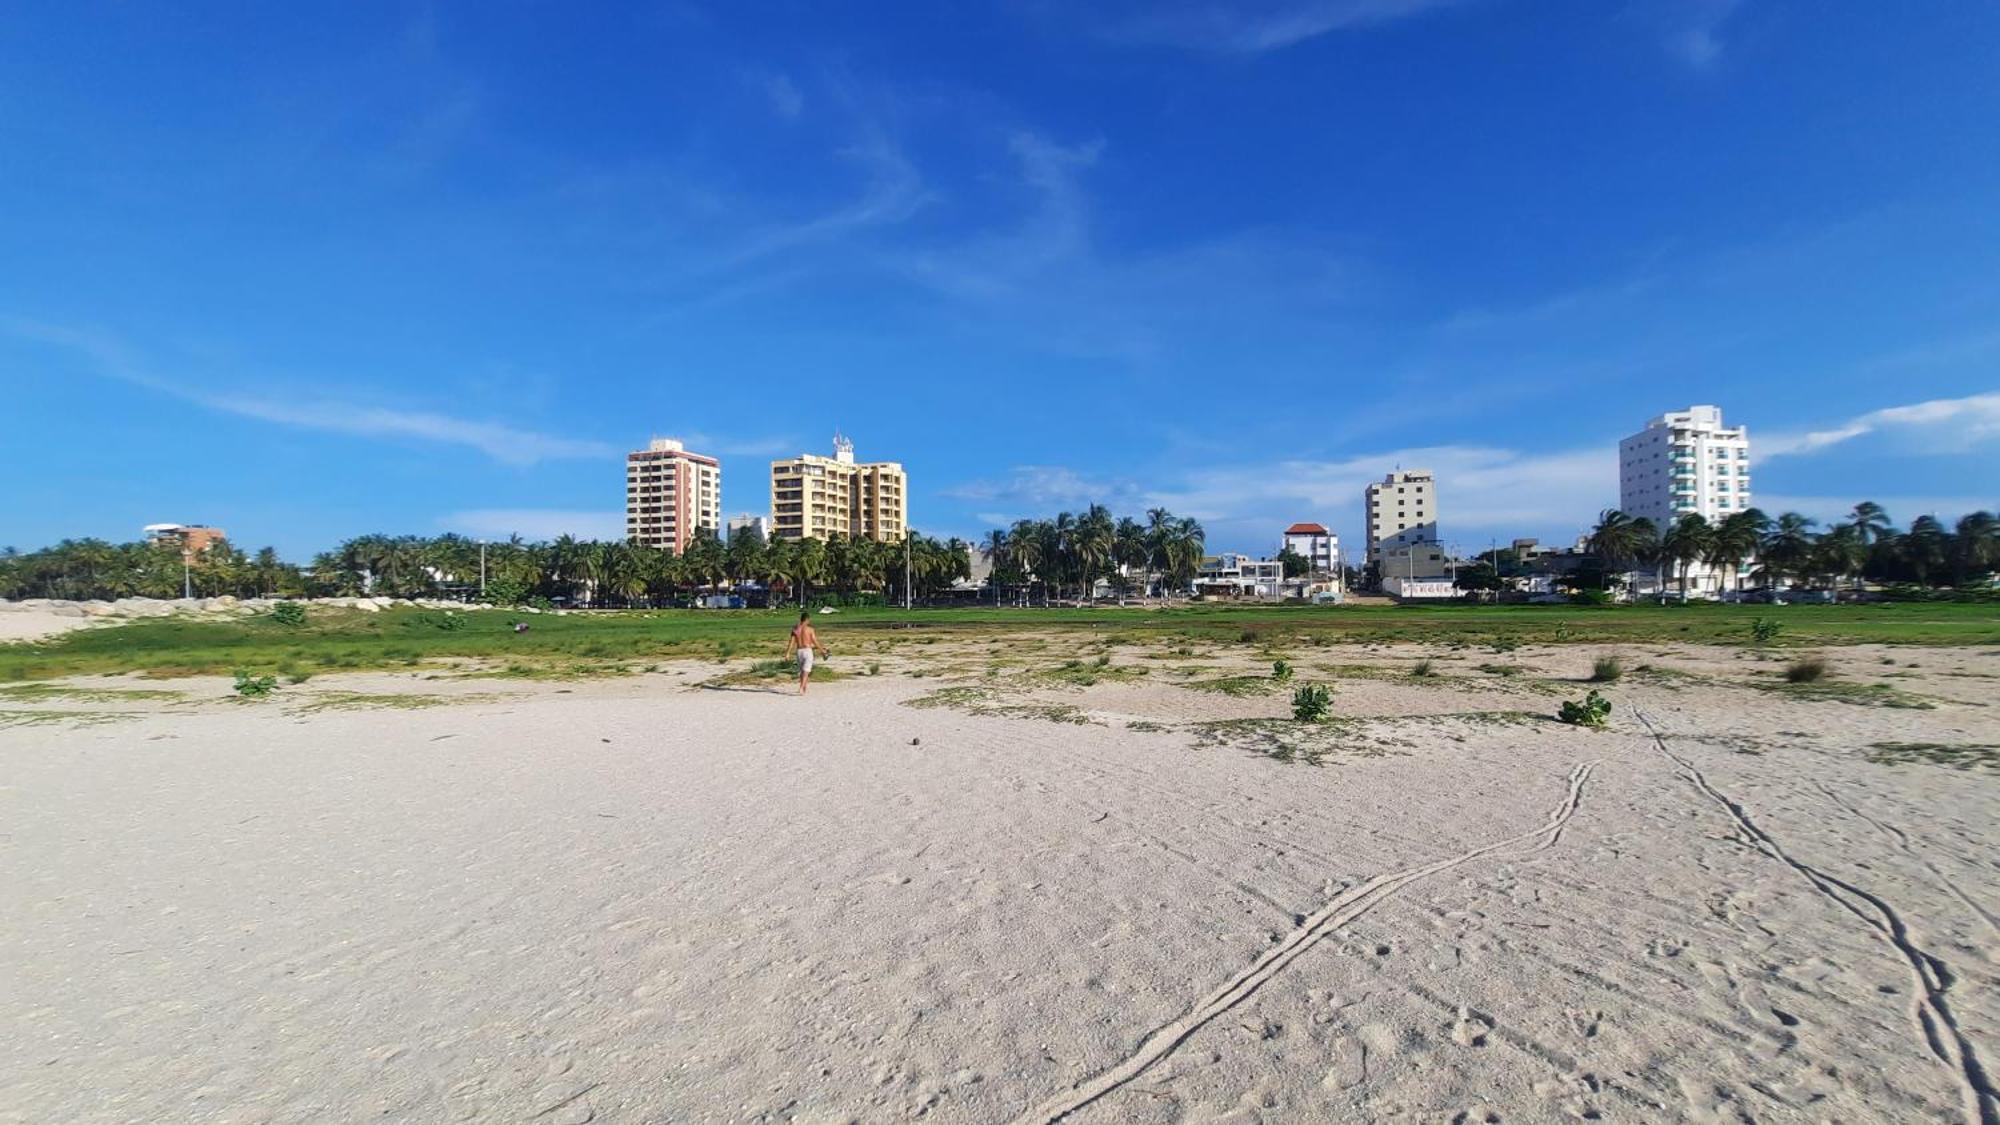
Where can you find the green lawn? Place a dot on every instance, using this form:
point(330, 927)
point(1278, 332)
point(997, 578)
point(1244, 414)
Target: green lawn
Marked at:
point(595, 643)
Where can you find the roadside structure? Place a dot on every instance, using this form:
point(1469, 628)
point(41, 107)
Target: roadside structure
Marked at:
point(670, 495)
point(1239, 576)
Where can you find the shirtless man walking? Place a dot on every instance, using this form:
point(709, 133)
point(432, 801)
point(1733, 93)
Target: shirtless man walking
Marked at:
point(803, 644)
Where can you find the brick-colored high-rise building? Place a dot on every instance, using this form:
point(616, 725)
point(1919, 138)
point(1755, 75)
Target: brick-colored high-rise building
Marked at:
point(814, 497)
point(669, 494)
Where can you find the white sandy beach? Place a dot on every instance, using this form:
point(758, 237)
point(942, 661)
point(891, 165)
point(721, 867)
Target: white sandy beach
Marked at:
point(635, 900)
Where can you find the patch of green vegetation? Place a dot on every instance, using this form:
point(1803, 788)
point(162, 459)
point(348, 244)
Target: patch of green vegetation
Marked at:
point(1238, 686)
point(16, 718)
point(767, 671)
point(334, 638)
point(1290, 741)
point(1842, 691)
point(365, 701)
point(1607, 670)
point(1084, 673)
point(1963, 756)
point(1147, 726)
point(1312, 703)
point(980, 700)
point(1806, 670)
point(38, 692)
point(1423, 668)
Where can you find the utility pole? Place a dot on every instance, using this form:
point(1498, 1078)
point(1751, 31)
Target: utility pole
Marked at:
point(906, 568)
point(187, 573)
point(482, 570)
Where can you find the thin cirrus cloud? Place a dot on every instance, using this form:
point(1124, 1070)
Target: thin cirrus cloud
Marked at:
point(1941, 426)
point(509, 445)
point(1256, 27)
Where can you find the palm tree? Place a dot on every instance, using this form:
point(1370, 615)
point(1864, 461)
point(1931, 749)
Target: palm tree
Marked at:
point(1024, 548)
point(1870, 523)
point(1840, 553)
point(1925, 549)
point(809, 565)
point(1690, 539)
point(1787, 546)
point(1975, 546)
point(995, 551)
point(1619, 540)
point(1092, 541)
point(1735, 539)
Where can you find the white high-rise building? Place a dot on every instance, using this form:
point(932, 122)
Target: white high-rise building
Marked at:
point(1684, 463)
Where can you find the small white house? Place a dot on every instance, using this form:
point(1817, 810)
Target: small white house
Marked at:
point(1413, 589)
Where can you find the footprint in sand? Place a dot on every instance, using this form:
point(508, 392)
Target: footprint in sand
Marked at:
point(1471, 1028)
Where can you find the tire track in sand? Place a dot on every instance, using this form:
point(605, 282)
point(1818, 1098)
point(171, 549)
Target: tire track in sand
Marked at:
point(1342, 909)
point(1902, 841)
point(1931, 1006)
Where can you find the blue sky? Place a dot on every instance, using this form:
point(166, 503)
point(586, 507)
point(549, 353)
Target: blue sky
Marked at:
point(307, 272)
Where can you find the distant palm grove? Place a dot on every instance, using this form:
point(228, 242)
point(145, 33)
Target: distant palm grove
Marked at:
point(1068, 556)
point(1788, 549)
point(1070, 552)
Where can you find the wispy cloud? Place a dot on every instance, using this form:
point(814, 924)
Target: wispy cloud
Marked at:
point(1482, 491)
point(535, 523)
point(1256, 26)
point(1694, 33)
point(786, 100)
point(508, 444)
point(1944, 425)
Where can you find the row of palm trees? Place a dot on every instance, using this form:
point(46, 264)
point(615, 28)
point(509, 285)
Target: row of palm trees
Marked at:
point(1073, 551)
point(577, 571)
point(1789, 549)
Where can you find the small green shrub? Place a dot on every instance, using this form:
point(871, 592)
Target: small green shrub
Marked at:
point(1592, 711)
point(1809, 670)
point(290, 614)
point(1607, 670)
point(1281, 670)
point(874, 667)
point(1763, 630)
point(1423, 668)
point(1311, 702)
point(254, 687)
point(449, 622)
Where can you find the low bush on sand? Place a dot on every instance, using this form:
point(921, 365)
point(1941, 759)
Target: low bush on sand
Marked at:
point(1809, 670)
point(254, 687)
point(1593, 711)
point(1607, 670)
point(1311, 703)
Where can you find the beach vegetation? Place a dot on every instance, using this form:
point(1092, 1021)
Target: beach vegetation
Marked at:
point(1592, 711)
point(1311, 703)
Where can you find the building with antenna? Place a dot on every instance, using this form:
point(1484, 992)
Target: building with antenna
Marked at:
point(670, 494)
point(814, 497)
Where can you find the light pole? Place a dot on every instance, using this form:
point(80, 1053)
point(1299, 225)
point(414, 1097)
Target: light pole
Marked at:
point(187, 574)
point(482, 570)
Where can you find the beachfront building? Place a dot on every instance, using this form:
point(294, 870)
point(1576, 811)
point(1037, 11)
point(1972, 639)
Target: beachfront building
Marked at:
point(1314, 543)
point(670, 494)
point(747, 524)
point(1401, 514)
point(1685, 462)
point(1232, 575)
point(190, 539)
point(814, 497)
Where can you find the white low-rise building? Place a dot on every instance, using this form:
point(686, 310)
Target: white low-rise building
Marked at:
point(1239, 576)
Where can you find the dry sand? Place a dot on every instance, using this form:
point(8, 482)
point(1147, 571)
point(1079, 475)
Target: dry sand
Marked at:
point(638, 900)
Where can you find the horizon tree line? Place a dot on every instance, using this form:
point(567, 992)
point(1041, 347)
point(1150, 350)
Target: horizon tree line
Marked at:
point(1865, 545)
point(516, 571)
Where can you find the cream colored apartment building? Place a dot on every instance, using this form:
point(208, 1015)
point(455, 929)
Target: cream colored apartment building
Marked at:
point(814, 497)
point(1402, 521)
point(670, 494)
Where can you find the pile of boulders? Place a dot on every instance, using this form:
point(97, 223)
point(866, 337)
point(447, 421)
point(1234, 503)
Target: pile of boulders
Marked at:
point(213, 608)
